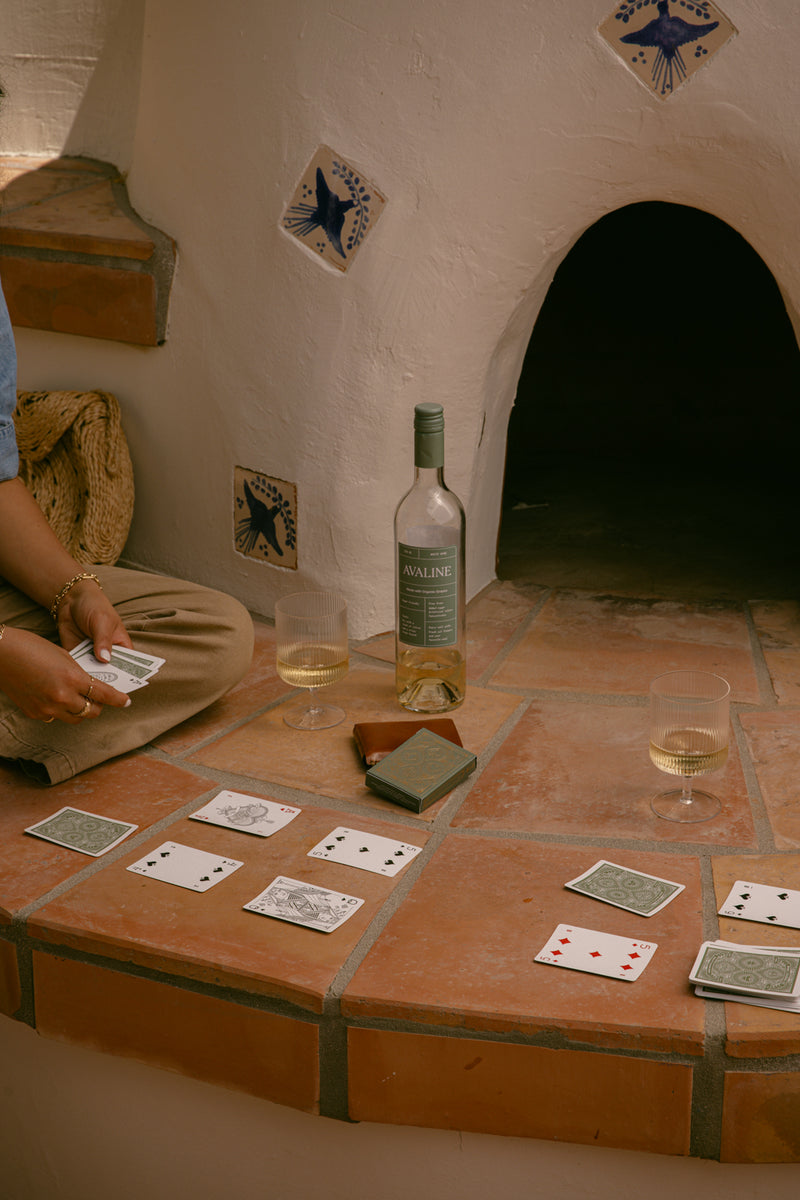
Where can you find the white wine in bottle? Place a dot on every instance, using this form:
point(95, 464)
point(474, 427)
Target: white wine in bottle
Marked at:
point(430, 589)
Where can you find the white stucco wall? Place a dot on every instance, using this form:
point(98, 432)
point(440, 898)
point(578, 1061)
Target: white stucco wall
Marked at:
point(498, 134)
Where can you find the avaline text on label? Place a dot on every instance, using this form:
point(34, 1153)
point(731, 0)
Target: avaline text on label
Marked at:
point(428, 595)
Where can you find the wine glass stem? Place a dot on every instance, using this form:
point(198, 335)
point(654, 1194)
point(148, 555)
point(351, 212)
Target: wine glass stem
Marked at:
point(313, 707)
point(686, 789)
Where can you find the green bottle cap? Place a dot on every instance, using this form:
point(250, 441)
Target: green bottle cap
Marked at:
point(429, 418)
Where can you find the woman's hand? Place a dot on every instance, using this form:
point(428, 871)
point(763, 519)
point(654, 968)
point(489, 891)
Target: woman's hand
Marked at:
point(85, 612)
point(46, 683)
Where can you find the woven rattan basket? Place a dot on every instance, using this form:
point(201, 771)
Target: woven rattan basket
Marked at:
point(74, 458)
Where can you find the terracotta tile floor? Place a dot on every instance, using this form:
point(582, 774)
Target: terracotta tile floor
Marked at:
point(557, 713)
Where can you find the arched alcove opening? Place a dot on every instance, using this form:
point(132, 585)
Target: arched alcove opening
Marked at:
point(652, 447)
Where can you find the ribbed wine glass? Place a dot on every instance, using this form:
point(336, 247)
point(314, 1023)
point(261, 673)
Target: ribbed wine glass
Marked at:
point(312, 652)
point(689, 735)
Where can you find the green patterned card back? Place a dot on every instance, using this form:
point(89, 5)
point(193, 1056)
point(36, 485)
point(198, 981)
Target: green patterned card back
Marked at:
point(747, 970)
point(626, 888)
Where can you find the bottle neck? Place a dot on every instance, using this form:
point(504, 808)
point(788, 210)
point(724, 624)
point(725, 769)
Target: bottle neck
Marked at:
point(428, 451)
point(429, 477)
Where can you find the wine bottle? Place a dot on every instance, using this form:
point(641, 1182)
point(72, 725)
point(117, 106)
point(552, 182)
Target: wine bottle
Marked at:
point(430, 589)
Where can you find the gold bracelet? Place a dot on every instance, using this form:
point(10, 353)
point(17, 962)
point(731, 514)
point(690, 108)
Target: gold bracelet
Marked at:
point(2, 631)
point(70, 584)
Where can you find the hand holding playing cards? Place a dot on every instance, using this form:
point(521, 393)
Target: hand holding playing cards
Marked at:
point(45, 682)
point(86, 611)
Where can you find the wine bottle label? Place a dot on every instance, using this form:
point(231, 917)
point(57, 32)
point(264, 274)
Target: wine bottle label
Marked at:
point(428, 595)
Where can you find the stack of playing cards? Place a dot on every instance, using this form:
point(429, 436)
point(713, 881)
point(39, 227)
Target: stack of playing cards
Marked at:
point(767, 976)
point(421, 770)
point(127, 671)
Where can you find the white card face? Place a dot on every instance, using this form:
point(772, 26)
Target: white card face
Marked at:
point(185, 866)
point(114, 673)
point(369, 851)
point(304, 903)
point(598, 953)
point(83, 831)
point(248, 814)
point(762, 902)
point(625, 888)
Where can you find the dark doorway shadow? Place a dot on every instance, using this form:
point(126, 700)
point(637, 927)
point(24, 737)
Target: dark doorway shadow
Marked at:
point(653, 443)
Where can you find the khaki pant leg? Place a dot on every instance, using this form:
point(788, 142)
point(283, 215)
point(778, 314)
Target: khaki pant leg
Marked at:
point(205, 637)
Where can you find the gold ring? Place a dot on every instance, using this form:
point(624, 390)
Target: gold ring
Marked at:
point(49, 719)
point(84, 710)
point(89, 690)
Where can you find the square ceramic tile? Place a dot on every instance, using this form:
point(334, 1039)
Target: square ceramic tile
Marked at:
point(584, 642)
point(665, 41)
point(265, 518)
point(333, 209)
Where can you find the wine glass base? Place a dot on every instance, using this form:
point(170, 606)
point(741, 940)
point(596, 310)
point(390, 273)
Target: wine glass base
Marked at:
point(320, 716)
point(672, 807)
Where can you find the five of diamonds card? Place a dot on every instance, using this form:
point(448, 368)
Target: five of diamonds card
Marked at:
point(598, 953)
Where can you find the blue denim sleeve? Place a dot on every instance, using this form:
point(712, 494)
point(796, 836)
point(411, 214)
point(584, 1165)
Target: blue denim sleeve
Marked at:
point(9, 458)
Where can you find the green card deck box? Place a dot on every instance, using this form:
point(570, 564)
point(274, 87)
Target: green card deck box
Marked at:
point(421, 771)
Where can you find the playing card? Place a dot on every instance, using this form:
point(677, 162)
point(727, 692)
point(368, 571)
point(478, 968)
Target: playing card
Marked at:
point(598, 953)
point(749, 970)
point(114, 672)
point(762, 902)
point(249, 814)
point(83, 831)
point(787, 1004)
point(384, 856)
point(135, 662)
point(625, 888)
point(185, 866)
point(304, 904)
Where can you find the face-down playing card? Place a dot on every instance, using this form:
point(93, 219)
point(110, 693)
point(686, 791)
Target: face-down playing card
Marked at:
point(185, 866)
point(304, 903)
point(749, 970)
point(762, 902)
point(83, 831)
point(597, 953)
point(369, 851)
point(626, 888)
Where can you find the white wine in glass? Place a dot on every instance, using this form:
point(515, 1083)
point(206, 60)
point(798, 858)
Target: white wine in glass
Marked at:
point(312, 652)
point(689, 736)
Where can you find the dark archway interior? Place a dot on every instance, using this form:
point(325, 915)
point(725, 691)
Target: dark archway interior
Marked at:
point(653, 445)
